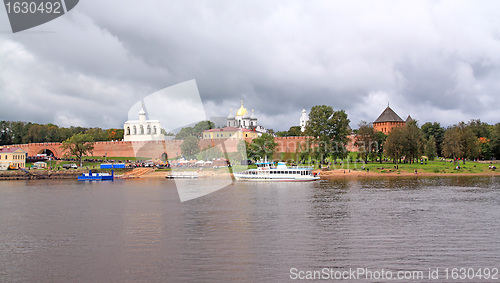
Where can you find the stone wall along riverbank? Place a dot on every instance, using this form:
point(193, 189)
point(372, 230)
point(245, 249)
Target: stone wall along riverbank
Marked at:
point(39, 174)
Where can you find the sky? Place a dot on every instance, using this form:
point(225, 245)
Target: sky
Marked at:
point(437, 61)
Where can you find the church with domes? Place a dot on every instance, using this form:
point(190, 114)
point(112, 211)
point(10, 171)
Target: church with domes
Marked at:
point(242, 119)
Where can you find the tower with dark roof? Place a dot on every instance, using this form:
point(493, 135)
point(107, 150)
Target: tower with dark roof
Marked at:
point(387, 121)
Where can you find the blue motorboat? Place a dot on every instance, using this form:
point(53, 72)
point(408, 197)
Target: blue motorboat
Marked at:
point(96, 176)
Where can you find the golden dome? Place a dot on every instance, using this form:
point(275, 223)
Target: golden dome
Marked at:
point(242, 111)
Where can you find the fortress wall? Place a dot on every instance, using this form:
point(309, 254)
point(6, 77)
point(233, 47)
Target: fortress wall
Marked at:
point(154, 149)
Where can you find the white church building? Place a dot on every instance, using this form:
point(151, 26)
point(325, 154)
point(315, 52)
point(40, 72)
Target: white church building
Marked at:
point(142, 129)
point(242, 119)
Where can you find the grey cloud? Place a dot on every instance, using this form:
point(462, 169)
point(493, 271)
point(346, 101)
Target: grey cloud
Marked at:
point(437, 61)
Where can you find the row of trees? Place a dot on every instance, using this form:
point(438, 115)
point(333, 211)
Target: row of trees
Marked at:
point(27, 132)
point(294, 131)
point(472, 140)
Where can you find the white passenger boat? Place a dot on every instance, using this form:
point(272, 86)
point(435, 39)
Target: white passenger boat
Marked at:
point(266, 171)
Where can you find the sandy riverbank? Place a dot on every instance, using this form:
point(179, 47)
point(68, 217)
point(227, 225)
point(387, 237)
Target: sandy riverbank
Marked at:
point(202, 174)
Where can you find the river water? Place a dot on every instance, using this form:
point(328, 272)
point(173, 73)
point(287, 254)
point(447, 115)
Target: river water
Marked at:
point(139, 231)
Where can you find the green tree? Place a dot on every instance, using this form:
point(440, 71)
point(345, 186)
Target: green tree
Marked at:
point(294, 131)
point(78, 145)
point(329, 129)
point(53, 133)
point(394, 144)
point(484, 148)
point(469, 142)
point(413, 143)
point(5, 137)
point(434, 129)
point(451, 144)
point(282, 134)
point(114, 134)
point(380, 137)
point(97, 134)
point(184, 133)
point(190, 147)
point(430, 148)
point(483, 133)
point(366, 140)
point(196, 131)
point(480, 129)
point(18, 131)
point(405, 142)
point(262, 147)
point(495, 141)
point(209, 153)
point(304, 151)
point(202, 126)
point(460, 142)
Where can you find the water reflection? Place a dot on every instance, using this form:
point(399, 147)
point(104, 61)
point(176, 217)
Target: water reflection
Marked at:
point(61, 231)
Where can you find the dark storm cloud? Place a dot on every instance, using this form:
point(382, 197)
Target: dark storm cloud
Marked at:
point(437, 61)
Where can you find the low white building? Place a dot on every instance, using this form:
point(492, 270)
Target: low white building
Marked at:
point(142, 129)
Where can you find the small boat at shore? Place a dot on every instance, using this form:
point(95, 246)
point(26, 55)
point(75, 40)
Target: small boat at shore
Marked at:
point(182, 175)
point(266, 171)
point(96, 176)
